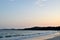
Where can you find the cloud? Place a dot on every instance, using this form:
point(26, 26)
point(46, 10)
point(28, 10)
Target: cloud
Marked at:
point(44, 0)
point(40, 3)
point(12, 3)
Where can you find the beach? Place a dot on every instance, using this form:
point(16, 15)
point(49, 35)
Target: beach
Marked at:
point(27, 35)
point(55, 36)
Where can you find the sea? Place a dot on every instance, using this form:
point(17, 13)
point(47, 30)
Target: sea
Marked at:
point(23, 34)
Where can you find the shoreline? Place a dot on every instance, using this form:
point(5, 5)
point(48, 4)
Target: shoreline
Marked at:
point(48, 37)
point(55, 38)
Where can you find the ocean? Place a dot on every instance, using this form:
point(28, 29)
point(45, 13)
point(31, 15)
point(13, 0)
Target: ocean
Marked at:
point(23, 34)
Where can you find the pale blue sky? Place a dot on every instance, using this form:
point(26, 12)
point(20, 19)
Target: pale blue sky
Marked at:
point(27, 13)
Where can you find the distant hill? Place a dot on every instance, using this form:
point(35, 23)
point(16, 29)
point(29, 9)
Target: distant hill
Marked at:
point(43, 28)
point(38, 28)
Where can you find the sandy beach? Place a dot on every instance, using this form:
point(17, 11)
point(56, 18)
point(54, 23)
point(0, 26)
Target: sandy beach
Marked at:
point(55, 36)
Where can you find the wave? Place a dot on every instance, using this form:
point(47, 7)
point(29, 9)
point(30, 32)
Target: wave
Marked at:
point(23, 34)
point(6, 36)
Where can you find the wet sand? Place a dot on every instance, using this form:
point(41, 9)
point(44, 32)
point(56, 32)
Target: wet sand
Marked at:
point(55, 36)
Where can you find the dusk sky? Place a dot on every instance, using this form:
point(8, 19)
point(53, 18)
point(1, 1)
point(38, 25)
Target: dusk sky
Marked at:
point(28, 13)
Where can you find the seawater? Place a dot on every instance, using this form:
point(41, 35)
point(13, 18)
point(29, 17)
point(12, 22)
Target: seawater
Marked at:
point(22, 34)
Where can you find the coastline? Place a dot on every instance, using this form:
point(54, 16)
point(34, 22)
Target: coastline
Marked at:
point(48, 37)
point(55, 38)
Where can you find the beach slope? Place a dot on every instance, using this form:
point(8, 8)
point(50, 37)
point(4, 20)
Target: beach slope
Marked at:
point(55, 36)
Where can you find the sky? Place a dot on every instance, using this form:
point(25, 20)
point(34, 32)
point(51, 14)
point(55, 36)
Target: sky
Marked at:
point(28, 13)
